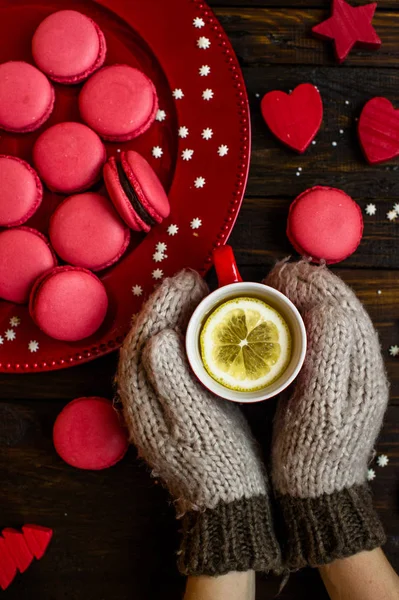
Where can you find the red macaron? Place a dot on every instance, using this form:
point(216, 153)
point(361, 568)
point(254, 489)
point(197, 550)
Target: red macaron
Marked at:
point(68, 303)
point(21, 191)
point(25, 255)
point(68, 46)
point(69, 157)
point(86, 231)
point(26, 97)
point(136, 191)
point(325, 224)
point(88, 434)
point(119, 102)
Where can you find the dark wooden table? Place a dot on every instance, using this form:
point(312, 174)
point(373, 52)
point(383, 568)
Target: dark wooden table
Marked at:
point(114, 531)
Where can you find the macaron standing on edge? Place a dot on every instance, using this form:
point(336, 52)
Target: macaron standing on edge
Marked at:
point(119, 102)
point(69, 157)
point(86, 231)
point(68, 46)
point(21, 191)
point(26, 97)
point(136, 191)
point(25, 255)
point(68, 303)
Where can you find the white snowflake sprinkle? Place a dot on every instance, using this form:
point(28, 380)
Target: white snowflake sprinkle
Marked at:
point(157, 274)
point(187, 154)
point(178, 94)
point(10, 335)
point(161, 247)
point(15, 321)
point(257, 95)
point(198, 22)
point(392, 215)
point(118, 150)
point(346, 102)
point(183, 132)
point(382, 460)
point(159, 256)
point(341, 131)
point(199, 182)
point(299, 168)
point(33, 346)
point(370, 475)
point(203, 43)
point(161, 115)
point(334, 144)
point(394, 350)
point(157, 151)
point(204, 70)
point(173, 229)
point(137, 290)
point(196, 223)
point(223, 150)
point(298, 173)
point(379, 292)
point(370, 209)
point(1, 340)
point(314, 143)
point(207, 94)
point(396, 208)
point(207, 133)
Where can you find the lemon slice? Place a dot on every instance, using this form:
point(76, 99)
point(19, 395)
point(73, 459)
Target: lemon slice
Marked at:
point(245, 344)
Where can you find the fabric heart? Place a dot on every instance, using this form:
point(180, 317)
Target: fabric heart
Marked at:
point(379, 130)
point(294, 118)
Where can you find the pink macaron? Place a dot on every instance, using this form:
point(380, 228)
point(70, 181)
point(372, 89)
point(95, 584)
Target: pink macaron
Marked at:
point(69, 157)
point(136, 191)
point(25, 255)
point(89, 434)
point(21, 191)
point(26, 97)
point(68, 303)
point(119, 102)
point(68, 46)
point(325, 224)
point(86, 231)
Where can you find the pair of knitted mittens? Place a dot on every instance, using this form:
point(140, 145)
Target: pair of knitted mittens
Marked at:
point(203, 450)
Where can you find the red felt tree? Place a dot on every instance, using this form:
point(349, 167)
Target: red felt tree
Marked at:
point(17, 550)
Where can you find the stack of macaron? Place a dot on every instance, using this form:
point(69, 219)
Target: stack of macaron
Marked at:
point(88, 231)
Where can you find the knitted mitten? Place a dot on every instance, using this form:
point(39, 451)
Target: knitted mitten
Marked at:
point(198, 444)
point(324, 434)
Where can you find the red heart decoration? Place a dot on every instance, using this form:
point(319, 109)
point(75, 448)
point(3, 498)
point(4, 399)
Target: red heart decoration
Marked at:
point(294, 118)
point(379, 130)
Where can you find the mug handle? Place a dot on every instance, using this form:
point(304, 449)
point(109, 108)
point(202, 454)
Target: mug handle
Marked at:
point(226, 266)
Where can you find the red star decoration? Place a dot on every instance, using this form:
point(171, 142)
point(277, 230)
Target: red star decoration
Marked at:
point(348, 26)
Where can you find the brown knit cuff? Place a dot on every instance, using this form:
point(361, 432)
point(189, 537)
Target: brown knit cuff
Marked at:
point(235, 536)
point(320, 530)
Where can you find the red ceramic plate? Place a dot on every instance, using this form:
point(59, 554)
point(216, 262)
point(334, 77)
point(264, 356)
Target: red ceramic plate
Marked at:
point(199, 146)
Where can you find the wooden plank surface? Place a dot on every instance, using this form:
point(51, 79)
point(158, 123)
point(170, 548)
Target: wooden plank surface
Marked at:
point(114, 531)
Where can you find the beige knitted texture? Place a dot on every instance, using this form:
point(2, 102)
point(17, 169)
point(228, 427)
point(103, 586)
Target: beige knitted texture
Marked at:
point(199, 445)
point(325, 432)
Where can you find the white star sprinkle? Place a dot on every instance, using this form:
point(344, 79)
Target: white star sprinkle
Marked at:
point(370, 209)
point(173, 229)
point(394, 350)
point(15, 321)
point(203, 43)
point(161, 247)
point(392, 215)
point(157, 151)
point(207, 133)
point(187, 154)
point(161, 115)
point(382, 460)
point(137, 290)
point(178, 94)
point(1, 340)
point(157, 274)
point(10, 335)
point(223, 150)
point(334, 144)
point(196, 223)
point(199, 182)
point(198, 22)
point(159, 256)
point(370, 475)
point(33, 346)
point(204, 70)
point(183, 132)
point(207, 94)
point(396, 208)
